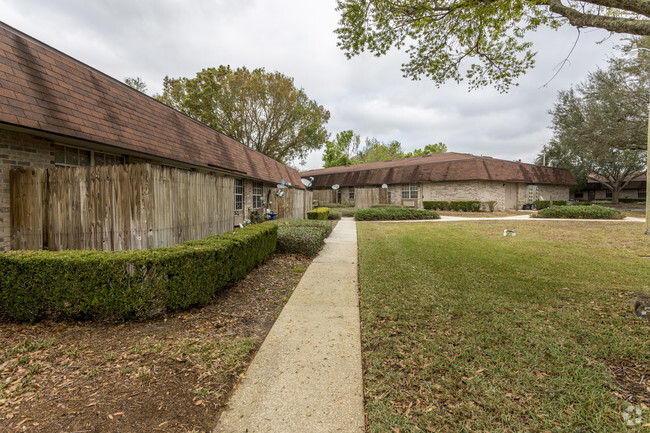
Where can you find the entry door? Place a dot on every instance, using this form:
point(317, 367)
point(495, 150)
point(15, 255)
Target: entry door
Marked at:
point(511, 196)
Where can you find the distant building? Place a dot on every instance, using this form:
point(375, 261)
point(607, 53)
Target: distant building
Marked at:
point(442, 177)
point(594, 190)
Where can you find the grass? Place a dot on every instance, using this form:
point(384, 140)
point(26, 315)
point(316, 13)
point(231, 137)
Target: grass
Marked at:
point(465, 330)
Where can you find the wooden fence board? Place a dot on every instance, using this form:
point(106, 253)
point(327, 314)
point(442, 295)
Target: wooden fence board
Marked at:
point(117, 207)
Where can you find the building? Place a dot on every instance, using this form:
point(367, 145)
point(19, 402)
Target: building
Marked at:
point(594, 190)
point(57, 112)
point(443, 177)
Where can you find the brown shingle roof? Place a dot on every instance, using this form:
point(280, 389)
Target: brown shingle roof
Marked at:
point(46, 90)
point(442, 167)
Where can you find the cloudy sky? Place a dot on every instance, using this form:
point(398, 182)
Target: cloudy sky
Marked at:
point(155, 38)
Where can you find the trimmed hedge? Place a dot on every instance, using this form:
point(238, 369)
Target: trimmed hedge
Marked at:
point(319, 213)
point(543, 204)
point(131, 284)
point(302, 236)
point(460, 206)
point(436, 205)
point(386, 205)
point(489, 206)
point(394, 213)
point(631, 200)
point(337, 205)
point(334, 215)
point(465, 206)
point(579, 212)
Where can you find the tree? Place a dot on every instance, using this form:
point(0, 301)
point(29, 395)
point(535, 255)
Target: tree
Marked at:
point(600, 127)
point(429, 149)
point(262, 110)
point(442, 36)
point(375, 150)
point(137, 83)
point(341, 150)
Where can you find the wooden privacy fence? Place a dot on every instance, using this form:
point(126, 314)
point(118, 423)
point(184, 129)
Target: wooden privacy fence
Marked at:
point(293, 204)
point(366, 197)
point(325, 195)
point(117, 207)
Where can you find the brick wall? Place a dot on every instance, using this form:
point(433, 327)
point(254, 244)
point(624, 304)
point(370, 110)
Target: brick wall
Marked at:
point(18, 150)
point(465, 191)
point(544, 192)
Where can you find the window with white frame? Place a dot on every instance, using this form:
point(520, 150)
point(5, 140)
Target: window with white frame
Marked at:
point(257, 195)
point(351, 193)
point(239, 194)
point(69, 156)
point(410, 191)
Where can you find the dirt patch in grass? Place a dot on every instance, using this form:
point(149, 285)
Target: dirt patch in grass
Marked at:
point(633, 378)
point(172, 374)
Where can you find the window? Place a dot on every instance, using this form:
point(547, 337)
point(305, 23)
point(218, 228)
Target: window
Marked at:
point(257, 195)
point(67, 156)
point(338, 196)
point(410, 191)
point(390, 198)
point(642, 193)
point(578, 194)
point(608, 193)
point(532, 193)
point(239, 194)
point(351, 194)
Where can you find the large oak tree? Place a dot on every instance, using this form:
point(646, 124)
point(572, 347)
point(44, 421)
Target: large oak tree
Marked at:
point(263, 110)
point(600, 127)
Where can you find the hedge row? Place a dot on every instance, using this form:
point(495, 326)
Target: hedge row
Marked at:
point(543, 204)
point(319, 213)
point(129, 284)
point(462, 206)
point(337, 205)
point(335, 215)
point(302, 236)
point(579, 212)
point(394, 213)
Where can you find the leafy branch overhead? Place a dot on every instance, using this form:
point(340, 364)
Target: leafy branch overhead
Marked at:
point(478, 41)
point(263, 110)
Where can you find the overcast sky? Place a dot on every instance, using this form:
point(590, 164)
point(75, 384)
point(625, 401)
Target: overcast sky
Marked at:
point(154, 38)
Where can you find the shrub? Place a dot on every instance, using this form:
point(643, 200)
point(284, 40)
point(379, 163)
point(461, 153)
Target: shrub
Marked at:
point(582, 203)
point(319, 213)
point(489, 206)
point(543, 204)
point(579, 212)
point(129, 284)
point(631, 200)
point(386, 205)
point(334, 215)
point(346, 212)
point(392, 213)
point(465, 206)
point(337, 205)
point(436, 205)
point(302, 236)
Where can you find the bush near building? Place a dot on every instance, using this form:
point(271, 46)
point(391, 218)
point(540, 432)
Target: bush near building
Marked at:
point(131, 284)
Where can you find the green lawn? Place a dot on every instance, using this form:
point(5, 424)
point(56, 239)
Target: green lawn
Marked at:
point(465, 330)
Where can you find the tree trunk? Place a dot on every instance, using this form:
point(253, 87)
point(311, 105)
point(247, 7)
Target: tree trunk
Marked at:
point(615, 193)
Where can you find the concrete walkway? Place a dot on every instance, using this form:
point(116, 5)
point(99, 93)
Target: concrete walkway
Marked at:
point(307, 375)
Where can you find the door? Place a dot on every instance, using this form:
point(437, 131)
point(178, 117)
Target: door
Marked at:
point(511, 196)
